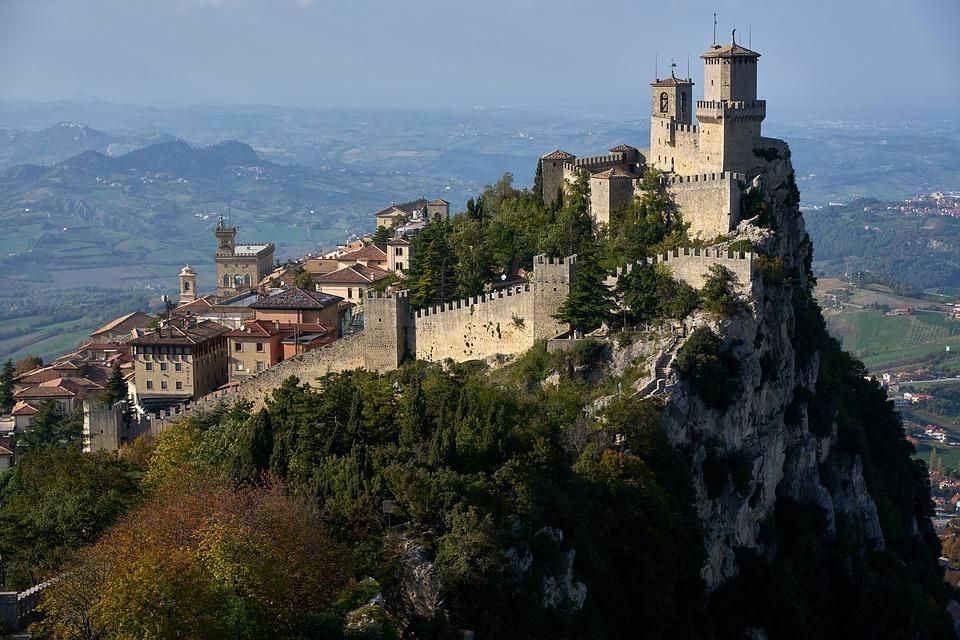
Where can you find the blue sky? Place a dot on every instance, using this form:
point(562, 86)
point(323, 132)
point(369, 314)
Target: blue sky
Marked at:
point(448, 53)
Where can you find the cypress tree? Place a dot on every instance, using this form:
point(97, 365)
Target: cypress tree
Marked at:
point(6, 387)
point(261, 442)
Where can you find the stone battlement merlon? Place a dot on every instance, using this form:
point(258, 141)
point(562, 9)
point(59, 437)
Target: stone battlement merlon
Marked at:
point(587, 162)
point(387, 295)
point(705, 177)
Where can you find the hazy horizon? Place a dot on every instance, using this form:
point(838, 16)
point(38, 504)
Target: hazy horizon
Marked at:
point(529, 54)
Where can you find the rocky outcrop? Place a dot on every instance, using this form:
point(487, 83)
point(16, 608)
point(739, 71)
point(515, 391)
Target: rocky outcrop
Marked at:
point(785, 459)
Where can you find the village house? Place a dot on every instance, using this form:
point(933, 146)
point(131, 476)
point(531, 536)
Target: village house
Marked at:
point(260, 344)
point(350, 283)
point(179, 361)
point(118, 329)
point(299, 306)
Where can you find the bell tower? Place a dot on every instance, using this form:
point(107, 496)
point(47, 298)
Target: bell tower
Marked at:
point(226, 238)
point(671, 124)
point(188, 285)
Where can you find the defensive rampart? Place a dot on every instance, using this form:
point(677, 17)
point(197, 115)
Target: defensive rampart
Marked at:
point(500, 322)
point(691, 265)
point(709, 202)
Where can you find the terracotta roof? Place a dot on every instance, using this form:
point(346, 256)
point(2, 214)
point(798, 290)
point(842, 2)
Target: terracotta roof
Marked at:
point(622, 148)
point(615, 172)
point(200, 304)
point(672, 81)
point(558, 155)
point(110, 326)
point(402, 242)
point(296, 298)
point(439, 201)
point(354, 274)
point(257, 329)
point(22, 408)
point(730, 51)
point(5, 452)
point(45, 392)
point(175, 333)
point(369, 252)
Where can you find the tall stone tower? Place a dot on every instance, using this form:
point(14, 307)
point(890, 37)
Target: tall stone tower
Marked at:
point(551, 166)
point(226, 238)
point(188, 285)
point(672, 134)
point(729, 114)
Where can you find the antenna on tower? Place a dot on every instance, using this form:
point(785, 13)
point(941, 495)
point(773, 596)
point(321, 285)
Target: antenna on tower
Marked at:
point(673, 65)
point(714, 28)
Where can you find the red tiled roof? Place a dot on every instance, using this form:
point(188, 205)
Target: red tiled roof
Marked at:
point(22, 408)
point(139, 315)
point(439, 201)
point(369, 252)
point(730, 51)
point(622, 148)
point(672, 81)
point(175, 334)
point(354, 274)
point(45, 392)
point(404, 207)
point(257, 329)
point(558, 155)
point(403, 242)
point(615, 172)
point(296, 298)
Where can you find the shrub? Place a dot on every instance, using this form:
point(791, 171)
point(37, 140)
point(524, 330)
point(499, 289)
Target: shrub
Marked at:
point(719, 293)
point(767, 153)
point(709, 368)
point(771, 269)
point(743, 245)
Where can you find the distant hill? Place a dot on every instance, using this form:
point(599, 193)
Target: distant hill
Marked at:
point(64, 140)
point(155, 207)
point(921, 252)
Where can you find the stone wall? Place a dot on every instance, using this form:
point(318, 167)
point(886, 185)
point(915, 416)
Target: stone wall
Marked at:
point(690, 265)
point(608, 195)
point(103, 426)
point(709, 202)
point(481, 326)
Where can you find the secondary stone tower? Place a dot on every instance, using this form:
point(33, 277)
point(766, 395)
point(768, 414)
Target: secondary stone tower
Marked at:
point(188, 285)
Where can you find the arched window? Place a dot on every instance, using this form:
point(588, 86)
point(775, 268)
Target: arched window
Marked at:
point(683, 102)
point(186, 285)
point(246, 280)
point(664, 102)
point(226, 281)
point(237, 280)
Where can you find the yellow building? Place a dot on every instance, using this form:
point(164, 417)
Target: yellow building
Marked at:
point(180, 361)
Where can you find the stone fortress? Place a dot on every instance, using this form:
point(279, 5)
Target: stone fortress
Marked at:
point(706, 169)
point(705, 166)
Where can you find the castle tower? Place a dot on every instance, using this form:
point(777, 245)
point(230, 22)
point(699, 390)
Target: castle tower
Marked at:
point(551, 167)
point(672, 134)
point(188, 285)
point(551, 285)
point(226, 238)
point(729, 114)
point(386, 330)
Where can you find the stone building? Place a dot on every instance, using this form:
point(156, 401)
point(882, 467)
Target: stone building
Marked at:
point(188, 285)
point(419, 209)
point(240, 267)
point(120, 328)
point(179, 361)
point(350, 283)
point(297, 306)
point(706, 164)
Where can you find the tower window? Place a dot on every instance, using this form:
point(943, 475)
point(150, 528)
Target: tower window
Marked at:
point(664, 102)
point(683, 102)
point(186, 285)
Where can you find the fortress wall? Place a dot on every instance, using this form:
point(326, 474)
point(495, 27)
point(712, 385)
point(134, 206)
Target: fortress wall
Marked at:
point(675, 146)
point(594, 163)
point(481, 326)
point(609, 195)
point(690, 265)
point(710, 202)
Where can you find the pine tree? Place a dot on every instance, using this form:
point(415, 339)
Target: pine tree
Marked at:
point(589, 303)
point(6, 387)
point(261, 442)
point(538, 184)
point(413, 428)
point(116, 388)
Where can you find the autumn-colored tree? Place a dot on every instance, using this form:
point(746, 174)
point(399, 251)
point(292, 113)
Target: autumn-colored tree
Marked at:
point(202, 560)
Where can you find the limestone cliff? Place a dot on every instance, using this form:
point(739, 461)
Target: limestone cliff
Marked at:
point(768, 423)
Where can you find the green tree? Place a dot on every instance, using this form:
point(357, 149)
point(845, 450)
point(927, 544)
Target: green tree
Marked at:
point(538, 183)
point(709, 367)
point(261, 442)
point(382, 235)
point(432, 273)
point(590, 303)
point(51, 427)
point(116, 387)
point(573, 227)
point(55, 501)
point(302, 278)
point(719, 291)
point(26, 365)
point(6, 387)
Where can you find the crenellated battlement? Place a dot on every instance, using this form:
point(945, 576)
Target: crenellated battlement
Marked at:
point(387, 295)
point(704, 177)
point(471, 302)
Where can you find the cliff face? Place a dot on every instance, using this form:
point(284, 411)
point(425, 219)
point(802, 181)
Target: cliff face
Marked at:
point(785, 461)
